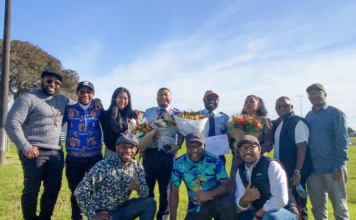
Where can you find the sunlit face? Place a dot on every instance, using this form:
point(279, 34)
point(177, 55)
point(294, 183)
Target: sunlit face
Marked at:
point(211, 102)
point(122, 100)
point(249, 152)
point(251, 104)
point(50, 84)
point(126, 151)
point(85, 95)
point(164, 98)
point(283, 107)
point(195, 151)
point(316, 96)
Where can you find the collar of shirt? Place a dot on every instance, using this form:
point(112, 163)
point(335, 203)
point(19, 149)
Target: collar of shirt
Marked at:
point(167, 109)
point(324, 106)
point(77, 105)
point(207, 112)
point(250, 169)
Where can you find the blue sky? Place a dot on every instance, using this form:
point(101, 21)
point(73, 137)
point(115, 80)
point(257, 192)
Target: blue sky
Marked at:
point(238, 48)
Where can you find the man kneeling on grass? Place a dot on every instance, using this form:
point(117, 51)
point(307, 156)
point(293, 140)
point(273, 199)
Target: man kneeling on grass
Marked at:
point(261, 185)
point(205, 178)
point(104, 192)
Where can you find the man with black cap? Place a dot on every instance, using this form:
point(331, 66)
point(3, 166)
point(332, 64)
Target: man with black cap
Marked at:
point(104, 192)
point(217, 120)
point(83, 142)
point(34, 125)
point(328, 143)
point(206, 179)
point(261, 185)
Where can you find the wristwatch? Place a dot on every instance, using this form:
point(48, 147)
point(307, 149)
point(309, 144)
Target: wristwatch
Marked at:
point(296, 172)
point(256, 216)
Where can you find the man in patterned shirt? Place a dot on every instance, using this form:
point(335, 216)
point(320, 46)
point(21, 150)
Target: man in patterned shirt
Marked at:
point(83, 142)
point(205, 178)
point(104, 192)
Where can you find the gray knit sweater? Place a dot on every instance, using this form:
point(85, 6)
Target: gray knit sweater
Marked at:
point(30, 121)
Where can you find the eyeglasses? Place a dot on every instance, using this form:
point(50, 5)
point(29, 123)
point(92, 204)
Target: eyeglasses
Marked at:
point(315, 94)
point(49, 81)
point(87, 92)
point(250, 148)
point(282, 106)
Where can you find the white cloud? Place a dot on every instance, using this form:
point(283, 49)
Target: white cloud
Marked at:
point(270, 59)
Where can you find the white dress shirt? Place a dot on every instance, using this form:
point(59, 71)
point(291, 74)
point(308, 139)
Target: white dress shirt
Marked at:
point(278, 184)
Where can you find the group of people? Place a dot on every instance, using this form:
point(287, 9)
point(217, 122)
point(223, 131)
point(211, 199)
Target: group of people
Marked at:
point(309, 154)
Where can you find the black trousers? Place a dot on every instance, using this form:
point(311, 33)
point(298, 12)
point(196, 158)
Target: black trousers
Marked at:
point(47, 167)
point(158, 167)
point(221, 207)
point(300, 201)
point(75, 171)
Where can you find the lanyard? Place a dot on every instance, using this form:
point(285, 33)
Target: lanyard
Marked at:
point(159, 117)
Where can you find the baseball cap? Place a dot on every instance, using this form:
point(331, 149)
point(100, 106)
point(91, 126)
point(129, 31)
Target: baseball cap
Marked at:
point(209, 92)
point(316, 85)
point(52, 72)
point(195, 136)
point(85, 83)
point(128, 138)
point(248, 138)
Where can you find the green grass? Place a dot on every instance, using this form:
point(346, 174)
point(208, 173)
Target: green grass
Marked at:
point(12, 179)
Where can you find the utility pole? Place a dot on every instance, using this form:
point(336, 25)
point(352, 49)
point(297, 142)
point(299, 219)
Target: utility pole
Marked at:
point(4, 81)
point(301, 105)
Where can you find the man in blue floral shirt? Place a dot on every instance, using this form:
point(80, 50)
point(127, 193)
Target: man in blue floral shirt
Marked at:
point(83, 142)
point(104, 192)
point(206, 180)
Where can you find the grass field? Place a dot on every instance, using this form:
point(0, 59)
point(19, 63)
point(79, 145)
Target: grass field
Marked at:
point(12, 179)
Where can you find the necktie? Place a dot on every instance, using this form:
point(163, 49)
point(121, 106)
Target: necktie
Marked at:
point(162, 112)
point(211, 125)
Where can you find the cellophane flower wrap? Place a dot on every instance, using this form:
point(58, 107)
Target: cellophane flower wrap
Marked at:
point(166, 130)
point(143, 131)
point(240, 125)
point(189, 122)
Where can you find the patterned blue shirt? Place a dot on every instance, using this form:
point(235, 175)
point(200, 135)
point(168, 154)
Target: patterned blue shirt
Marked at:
point(328, 139)
point(204, 175)
point(220, 119)
point(84, 132)
point(107, 181)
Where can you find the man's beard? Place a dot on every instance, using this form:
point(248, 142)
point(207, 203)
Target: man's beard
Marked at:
point(45, 91)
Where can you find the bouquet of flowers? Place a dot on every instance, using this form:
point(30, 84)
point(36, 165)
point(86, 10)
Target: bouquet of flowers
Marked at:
point(143, 131)
point(188, 122)
point(167, 128)
point(240, 125)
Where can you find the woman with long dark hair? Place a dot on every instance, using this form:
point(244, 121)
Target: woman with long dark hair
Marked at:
point(255, 107)
point(114, 121)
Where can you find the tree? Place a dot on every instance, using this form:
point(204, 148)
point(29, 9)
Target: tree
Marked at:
point(27, 62)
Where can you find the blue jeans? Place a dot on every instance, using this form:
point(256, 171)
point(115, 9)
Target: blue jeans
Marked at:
point(145, 208)
point(282, 214)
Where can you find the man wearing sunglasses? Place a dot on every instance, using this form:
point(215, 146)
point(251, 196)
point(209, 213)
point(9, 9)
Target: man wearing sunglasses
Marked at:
point(206, 179)
point(261, 185)
point(83, 142)
point(34, 125)
point(291, 136)
point(328, 145)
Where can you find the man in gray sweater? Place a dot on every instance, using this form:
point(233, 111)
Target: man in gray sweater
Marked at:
point(34, 125)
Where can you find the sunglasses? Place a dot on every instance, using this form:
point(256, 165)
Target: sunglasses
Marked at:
point(282, 106)
point(315, 94)
point(86, 92)
point(49, 81)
